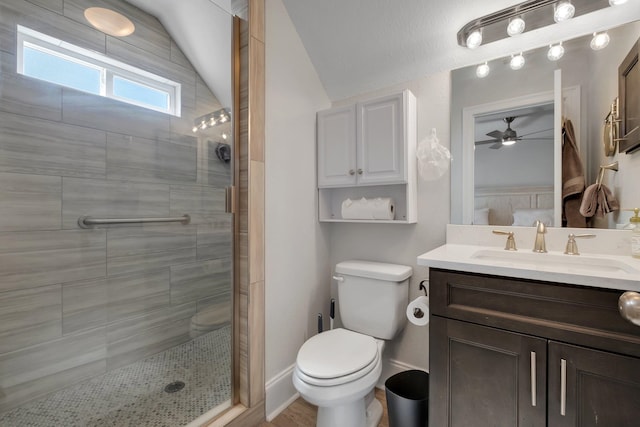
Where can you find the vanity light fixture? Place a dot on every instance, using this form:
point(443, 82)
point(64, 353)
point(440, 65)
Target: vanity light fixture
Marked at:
point(109, 21)
point(555, 52)
point(516, 26)
point(517, 61)
point(563, 11)
point(482, 70)
point(600, 40)
point(474, 39)
point(537, 14)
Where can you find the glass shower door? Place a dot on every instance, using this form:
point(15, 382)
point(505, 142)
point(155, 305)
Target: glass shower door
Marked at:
point(116, 263)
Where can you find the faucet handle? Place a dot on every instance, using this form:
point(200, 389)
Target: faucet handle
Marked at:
point(540, 227)
point(511, 241)
point(572, 246)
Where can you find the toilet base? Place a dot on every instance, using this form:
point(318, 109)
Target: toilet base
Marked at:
point(352, 414)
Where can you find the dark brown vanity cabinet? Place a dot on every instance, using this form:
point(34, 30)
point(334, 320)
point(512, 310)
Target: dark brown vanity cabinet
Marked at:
point(513, 352)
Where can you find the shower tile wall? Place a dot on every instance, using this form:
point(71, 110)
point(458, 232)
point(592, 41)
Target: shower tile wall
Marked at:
point(75, 303)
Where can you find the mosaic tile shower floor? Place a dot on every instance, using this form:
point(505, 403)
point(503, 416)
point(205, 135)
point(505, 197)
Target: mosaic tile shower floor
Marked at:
point(134, 395)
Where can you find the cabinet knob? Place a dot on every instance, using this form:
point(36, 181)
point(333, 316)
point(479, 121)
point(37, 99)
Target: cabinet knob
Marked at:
point(629, 307)
point(352, 172)
point(359, 171)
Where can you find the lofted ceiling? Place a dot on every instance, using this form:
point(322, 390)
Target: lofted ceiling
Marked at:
point(358, 46)
point(196, 25)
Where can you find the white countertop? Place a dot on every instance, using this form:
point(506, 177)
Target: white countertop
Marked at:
point(612, 271)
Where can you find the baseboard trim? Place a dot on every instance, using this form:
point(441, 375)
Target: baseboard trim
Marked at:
point(280, 392)
point(391, 367)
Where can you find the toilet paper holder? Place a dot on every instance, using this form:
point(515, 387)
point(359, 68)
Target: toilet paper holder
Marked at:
point(422, 287)
point(419, 314)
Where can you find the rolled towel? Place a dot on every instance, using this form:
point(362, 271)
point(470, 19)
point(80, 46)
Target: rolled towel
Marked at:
point(607, 202)
point(589, 201)
point(598, 201)
point(380, 208)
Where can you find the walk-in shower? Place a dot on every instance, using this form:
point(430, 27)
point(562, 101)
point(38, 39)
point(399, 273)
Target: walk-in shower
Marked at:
point(116, 262)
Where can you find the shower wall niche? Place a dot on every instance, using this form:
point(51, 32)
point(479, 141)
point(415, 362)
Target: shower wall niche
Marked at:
point(77, 303)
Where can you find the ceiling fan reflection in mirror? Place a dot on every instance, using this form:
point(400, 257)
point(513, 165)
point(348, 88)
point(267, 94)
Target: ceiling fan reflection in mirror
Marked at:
point(510, 136)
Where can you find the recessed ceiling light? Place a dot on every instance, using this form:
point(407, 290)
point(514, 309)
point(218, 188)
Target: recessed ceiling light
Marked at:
point(555, 52)
point(482, 70)
point(516, 62)
point(109, 21)
point(563, 11)
point(617, 2)
point(516, 26)
point(474, 39)
point(600, 41)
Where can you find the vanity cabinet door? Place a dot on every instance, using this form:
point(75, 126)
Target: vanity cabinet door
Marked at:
point(485, 377)
point(381, 147)
point(336, 147)
point(600, 388)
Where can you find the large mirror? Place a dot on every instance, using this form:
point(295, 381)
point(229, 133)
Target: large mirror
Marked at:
point(499, 184)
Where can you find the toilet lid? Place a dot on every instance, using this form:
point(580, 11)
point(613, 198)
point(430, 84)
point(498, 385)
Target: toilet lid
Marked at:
point(336, 353)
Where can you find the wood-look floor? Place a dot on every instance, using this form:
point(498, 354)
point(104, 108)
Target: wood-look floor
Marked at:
point(303, 414)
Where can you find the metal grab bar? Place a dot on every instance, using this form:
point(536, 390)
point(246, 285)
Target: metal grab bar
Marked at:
point(88, 221)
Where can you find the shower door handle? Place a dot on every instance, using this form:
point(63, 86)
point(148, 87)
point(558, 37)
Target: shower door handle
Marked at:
point(229, 199)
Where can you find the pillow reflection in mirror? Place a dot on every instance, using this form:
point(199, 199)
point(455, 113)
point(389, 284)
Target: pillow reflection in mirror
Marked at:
point(481, 216)
point(528, 217)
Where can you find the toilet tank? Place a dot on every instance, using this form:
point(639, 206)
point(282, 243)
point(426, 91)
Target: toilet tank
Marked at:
point(373, 297)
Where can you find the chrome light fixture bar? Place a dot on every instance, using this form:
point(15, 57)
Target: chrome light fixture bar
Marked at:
point(536, 14)
point(215, 118)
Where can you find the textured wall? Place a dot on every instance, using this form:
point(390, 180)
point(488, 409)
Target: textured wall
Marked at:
point(75, 303)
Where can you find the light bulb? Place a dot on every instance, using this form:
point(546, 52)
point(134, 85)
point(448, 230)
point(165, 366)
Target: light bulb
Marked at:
point(474, 39)
point(225, 136)
point(555, 52)
point(195, 129)
point(617, 2)
point(482, 70)
point(516, 26)
point(516, 62)
point(600, 41)
point(563, 11)
point(508, 142)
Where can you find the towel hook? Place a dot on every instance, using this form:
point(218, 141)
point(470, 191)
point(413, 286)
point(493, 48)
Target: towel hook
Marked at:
point(422, 287)
point(611, 166)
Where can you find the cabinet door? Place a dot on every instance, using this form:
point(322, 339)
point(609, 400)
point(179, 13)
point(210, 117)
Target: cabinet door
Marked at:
point(599, 388)
point(381, 141)
point(336, 147)
point(485, 377)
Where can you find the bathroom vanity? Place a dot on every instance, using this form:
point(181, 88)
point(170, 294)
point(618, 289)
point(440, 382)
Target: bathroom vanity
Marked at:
point(543, 349)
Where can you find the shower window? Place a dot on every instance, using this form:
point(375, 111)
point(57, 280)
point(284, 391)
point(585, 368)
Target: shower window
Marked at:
point(47, 58)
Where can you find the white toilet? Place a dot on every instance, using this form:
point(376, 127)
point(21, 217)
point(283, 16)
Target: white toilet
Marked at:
point(337, 370)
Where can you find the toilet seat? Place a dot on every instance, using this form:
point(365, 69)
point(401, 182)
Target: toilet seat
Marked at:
point(336, 357)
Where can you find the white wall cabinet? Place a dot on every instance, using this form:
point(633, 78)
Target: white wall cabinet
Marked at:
point(368, 150)
point(337, 147)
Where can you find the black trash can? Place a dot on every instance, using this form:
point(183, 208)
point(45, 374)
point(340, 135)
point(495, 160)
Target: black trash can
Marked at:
point(408, 399)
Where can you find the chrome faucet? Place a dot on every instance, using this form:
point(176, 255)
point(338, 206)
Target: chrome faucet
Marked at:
point(539, 245)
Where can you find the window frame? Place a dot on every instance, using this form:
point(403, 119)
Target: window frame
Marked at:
point(110, 68)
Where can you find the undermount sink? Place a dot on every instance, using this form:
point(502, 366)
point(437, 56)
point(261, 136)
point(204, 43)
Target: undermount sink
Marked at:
point(565, 263)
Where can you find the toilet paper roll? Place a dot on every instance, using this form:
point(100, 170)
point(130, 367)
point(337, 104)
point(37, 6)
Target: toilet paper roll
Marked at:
point(418, 311)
